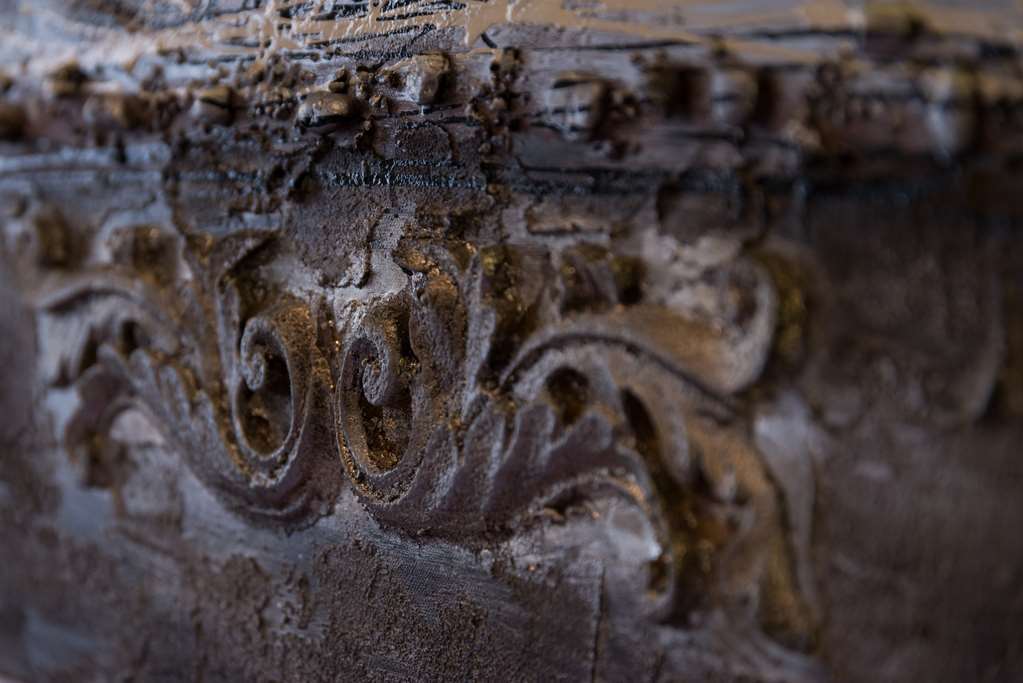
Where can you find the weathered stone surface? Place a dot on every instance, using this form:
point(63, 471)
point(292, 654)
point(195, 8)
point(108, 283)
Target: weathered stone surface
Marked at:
point(510, 340)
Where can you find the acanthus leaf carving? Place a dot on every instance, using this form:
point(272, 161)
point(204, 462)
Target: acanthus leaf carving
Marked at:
point(500, 386)
point(545, 411)
point(249, 419)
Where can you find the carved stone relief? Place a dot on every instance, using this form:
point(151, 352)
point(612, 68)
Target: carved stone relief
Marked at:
point(510, 340)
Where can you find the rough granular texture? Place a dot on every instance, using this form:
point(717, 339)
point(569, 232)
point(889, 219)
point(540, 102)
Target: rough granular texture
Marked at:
point(503, 340)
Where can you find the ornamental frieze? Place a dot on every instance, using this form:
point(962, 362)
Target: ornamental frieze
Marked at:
point(510, 340)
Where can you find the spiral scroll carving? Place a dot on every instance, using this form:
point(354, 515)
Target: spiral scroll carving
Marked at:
point(596, 302)
point(377, 437)
point(272, 395)
point(252, 420)
point(487, 394)
point(470, 437)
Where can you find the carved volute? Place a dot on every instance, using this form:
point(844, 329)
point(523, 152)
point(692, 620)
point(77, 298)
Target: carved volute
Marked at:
point(510, 340)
